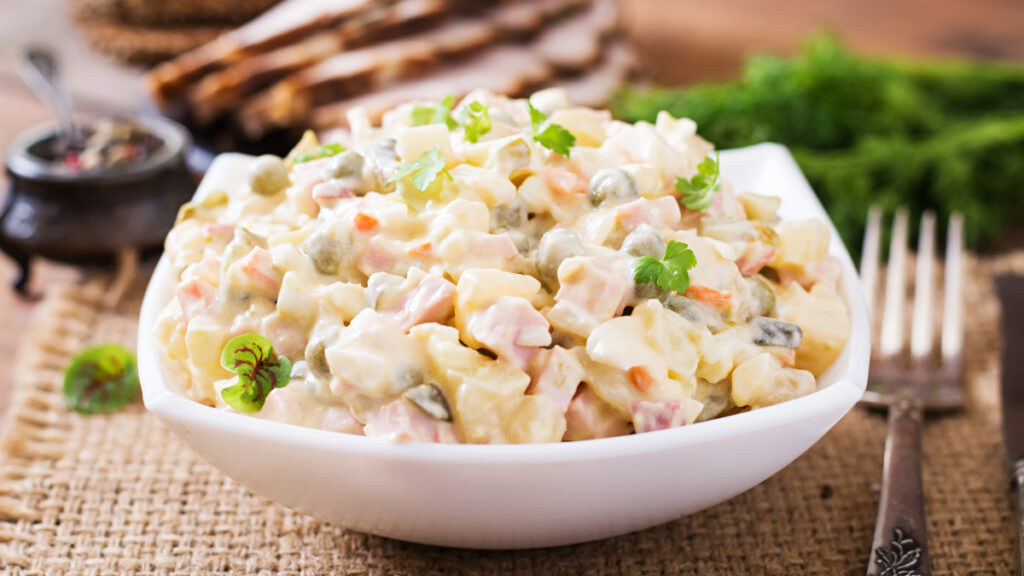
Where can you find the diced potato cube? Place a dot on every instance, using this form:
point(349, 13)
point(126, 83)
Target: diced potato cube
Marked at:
point(760, 208)
point(486, 185)
point(419, 140)
point(535, 419)
point(824, 320)
point(348, 299)
point(801, 242)
point(296, 301)
point(480, 287)
point(583, 123)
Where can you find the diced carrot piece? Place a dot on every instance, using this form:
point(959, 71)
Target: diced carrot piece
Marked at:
point(717, 298)
point(422, 251)
point(641, 378)
point(365, 222)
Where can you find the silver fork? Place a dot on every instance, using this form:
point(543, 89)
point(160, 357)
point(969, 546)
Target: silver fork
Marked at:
point(909, 382)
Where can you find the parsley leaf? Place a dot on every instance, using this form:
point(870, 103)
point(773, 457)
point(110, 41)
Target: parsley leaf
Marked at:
point(251, 357)
point(325, 151)
point(554, 137)
point(477, 119)
point(439, 113)
point(672, 272)
point(697, 191)
point(101, 379)
point(423, 171)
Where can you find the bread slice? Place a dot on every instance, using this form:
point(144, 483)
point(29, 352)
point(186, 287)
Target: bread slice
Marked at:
point(142, 45)
point(506, 69)
point(596, 87)
point(177, 14)
point(222, 90)
point(353, 73)
point(284, 24)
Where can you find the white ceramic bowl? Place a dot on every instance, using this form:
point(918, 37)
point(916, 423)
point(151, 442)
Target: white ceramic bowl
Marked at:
point(520, 496)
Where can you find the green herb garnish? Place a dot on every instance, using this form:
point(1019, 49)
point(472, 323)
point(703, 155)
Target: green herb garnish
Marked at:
point(101, 379)
point(423, 171)
point(477, 119)
point(554, 137)
point(697, 191)
point(324, 151)
point(251, 357)
point(672, 272)
point(440, 113)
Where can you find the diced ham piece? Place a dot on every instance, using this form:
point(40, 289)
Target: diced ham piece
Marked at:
point(259, 273)
point(326, 192)
point(511, 328)
point(400, 421)
point(379, 255)
point(306, 175)
point(220, 232)
point(650, 416)
point(660, 213)
point(563, 181)
point(589, 417)
point(474, 249)
point(827, 271)
point(430, 298)
point(591, 291)
point(340, 419)
point(755, 256)
point(555, 373)
point(195, 296)
point(725, 204)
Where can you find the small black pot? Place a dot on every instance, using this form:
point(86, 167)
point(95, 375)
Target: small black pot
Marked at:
point(80, 218)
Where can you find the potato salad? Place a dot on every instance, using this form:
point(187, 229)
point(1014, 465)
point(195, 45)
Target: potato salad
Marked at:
point(497, 271)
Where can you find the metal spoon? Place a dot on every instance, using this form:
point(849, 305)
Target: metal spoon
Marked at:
point(40, 71)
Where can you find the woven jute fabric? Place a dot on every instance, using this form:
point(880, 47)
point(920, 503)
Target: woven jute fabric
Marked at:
point(120, 494)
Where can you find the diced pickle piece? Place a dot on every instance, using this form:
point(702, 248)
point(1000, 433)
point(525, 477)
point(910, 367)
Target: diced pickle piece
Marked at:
point(316, 360)
point(348, 164)
point(762, 297)
point(251, 238)
point(428, 397)
point(772, 332)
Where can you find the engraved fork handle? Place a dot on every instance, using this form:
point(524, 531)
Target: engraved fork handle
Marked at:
point(900, 545)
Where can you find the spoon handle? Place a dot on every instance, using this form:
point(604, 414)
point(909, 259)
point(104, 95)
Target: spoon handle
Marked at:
point(41, 73)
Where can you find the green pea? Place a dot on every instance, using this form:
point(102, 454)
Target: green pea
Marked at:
point(268, 175)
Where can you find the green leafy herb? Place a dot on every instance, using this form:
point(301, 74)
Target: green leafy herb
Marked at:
point(552, 136)
point(324, 151)
point(672, 272)
point(423, 171)
point(440, 113)
point(251, 357)
point(477, 119)
point(697, 192)
point(940, 134)
point(101, 379)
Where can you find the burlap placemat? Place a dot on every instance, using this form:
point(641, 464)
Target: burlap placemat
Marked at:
point(120, 495)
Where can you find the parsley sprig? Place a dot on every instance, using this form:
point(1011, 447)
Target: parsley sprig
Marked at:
point(324, 151)
point(552, 136)
point(251, 357)
point(440, 113)
point(697, 192)
point(477, 119)
point(423, 171)
point(672, 272)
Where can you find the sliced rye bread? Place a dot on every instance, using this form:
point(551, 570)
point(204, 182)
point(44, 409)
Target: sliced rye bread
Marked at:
point(222, 90)
point(285, 23)
point(507, 69)
point(142, 45)
point(177, 14)
point(596, 87)
point(355, 73)
point(575, 43)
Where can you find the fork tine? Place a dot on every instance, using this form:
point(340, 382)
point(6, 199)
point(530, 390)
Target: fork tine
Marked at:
point(921, 334)
point(892, 338)
point(869, 257)
point(952, 309)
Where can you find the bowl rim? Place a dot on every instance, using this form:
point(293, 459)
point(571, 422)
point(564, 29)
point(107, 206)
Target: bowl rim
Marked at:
point(842, 393)
point(175, 137)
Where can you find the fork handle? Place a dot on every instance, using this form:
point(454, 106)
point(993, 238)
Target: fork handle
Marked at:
point(900, 544)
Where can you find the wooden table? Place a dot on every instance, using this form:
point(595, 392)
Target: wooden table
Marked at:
point(678, 40)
